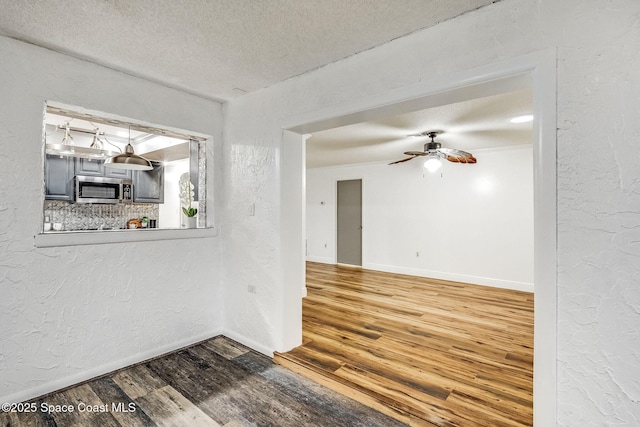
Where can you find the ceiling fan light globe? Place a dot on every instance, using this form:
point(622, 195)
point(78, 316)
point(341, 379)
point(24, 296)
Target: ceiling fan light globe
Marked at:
point(432, 164)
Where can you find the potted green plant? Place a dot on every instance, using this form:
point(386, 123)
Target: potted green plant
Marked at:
point(186, 200)
point(190, 212)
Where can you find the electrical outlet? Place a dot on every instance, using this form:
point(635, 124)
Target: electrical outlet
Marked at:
point(417, 254)
point(252, 289)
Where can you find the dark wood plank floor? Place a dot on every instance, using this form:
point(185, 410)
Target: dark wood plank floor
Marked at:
point(214, 383)
point(426, 352)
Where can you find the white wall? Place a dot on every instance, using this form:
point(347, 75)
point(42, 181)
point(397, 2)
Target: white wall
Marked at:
point(70, 313)
point(471, 223)
point(170, 211)
point(598, 126)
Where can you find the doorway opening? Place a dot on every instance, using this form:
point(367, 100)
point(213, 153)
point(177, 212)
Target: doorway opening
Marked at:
point(539, 70)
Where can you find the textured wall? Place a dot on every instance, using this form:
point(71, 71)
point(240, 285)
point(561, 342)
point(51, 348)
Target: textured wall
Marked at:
point(72, 312)
point(471, 223)
point(598, 179)
point(599, 213)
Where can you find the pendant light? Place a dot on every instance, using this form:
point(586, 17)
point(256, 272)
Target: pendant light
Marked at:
point(129, 159)
point(67, 148)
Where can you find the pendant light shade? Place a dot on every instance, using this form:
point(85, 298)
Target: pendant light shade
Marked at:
point(129, 159)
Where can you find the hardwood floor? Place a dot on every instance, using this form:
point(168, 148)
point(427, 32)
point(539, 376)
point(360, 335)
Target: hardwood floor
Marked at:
point(215, 383)
point(426, 352)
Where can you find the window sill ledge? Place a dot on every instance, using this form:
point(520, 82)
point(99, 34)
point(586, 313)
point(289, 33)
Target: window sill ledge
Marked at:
point(75, 238)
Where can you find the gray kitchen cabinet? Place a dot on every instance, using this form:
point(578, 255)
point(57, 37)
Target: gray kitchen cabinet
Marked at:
point(89, 167)
point(93, 167)
point(117, 173)
point(148, 186)
point(97, 168)
point(58, 177)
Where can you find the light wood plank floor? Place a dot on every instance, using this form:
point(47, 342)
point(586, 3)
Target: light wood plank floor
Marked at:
point(215, 383)
point(426, 352)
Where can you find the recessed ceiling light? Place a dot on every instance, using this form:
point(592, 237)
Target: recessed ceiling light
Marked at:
point(522, 119)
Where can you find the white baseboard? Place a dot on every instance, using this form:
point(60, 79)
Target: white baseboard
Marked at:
point(322, 260)
point(475, 280)
point(97, 371)
point(248, 342)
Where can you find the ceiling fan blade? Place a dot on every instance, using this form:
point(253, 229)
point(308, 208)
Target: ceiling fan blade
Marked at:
point(403, 160)
point(461, 159)
point(458, 156)
point(415, 153)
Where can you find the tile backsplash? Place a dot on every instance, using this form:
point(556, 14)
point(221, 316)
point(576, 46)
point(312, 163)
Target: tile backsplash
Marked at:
point(80, 216)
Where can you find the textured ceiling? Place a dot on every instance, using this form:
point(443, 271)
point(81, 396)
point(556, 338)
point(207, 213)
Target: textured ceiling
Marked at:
point(220, 48)
point(472, 125)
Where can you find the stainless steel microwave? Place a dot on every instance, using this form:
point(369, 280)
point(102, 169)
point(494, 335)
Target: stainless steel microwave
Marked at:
point(98, 189)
